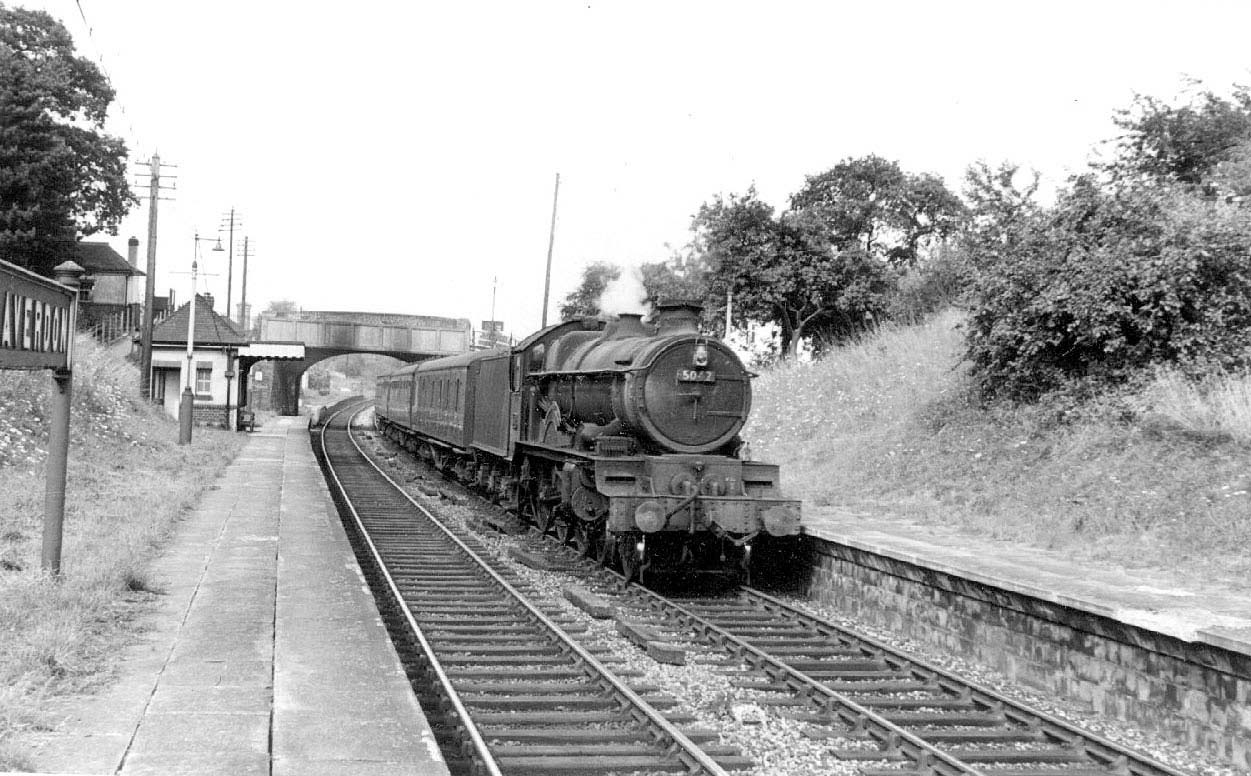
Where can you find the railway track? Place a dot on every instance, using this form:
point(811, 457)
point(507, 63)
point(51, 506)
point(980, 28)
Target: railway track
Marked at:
point(862, 700)
point(913, 713)
point(523, 696)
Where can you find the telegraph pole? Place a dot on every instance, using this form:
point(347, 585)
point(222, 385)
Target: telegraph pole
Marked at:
point(494, 283)
point(551, 240)
point(230, 257)
point(149, 288)
point(243, 294)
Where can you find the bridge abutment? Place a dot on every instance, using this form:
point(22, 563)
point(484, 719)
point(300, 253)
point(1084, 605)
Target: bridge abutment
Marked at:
point(285, 395)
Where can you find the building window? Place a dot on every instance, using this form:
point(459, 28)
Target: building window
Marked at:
point(204, 380)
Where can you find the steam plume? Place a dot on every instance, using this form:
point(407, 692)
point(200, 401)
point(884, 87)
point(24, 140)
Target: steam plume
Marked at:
point(626, 294)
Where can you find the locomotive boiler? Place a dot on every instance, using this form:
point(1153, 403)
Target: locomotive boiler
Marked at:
point(620, 437)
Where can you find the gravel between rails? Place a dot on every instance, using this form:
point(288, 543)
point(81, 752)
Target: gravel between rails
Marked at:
point(704, 687)
point(1183, 758)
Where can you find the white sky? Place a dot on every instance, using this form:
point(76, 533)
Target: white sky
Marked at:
point(395, 156)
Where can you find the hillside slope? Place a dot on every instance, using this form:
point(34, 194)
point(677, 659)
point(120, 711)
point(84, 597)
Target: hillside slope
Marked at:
point(883, 428)
point(128, 483)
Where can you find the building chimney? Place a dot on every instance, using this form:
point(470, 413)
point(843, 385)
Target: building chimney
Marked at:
point(677, 316)
point(132, 252)
point(208, 299)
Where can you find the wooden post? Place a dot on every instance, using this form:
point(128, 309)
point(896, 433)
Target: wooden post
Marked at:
point(58, 462)
point(69, 275)
point(551, 240)
point(186, 406)
point(149, 286)
point(243, 292)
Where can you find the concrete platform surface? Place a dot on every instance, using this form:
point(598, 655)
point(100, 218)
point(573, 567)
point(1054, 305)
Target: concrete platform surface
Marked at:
point(1215, 614)
point(266, 655)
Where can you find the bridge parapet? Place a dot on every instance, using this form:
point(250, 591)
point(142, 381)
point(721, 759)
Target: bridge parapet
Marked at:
point(370, 332)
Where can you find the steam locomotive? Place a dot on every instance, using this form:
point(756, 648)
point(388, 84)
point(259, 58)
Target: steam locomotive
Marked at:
point(620, 437)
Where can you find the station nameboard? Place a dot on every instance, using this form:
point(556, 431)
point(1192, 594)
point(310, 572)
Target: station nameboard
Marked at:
point(36, 320)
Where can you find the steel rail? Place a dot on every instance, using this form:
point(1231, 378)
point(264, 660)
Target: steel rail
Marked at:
point(1096, 747)
point(894, 737)
point(486, 760)
point(696, 760)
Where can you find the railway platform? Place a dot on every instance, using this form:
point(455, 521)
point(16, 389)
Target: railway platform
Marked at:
point(266, 654)
point(1209, 613)
point(1167, 654)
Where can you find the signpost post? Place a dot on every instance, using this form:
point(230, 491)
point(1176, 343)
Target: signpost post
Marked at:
point(37, 322)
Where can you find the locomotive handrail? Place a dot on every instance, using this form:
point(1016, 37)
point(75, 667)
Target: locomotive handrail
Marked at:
point(585, 372)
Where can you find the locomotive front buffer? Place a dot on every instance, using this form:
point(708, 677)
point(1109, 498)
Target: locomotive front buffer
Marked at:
point(683, 511)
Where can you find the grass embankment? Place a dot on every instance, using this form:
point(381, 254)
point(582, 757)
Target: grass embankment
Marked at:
point(885, 428)
point(128, 483)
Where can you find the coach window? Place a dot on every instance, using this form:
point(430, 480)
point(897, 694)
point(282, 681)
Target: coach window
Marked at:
point(456, 391)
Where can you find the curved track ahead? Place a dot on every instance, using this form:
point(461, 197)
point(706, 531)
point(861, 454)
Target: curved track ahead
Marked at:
point(524, 696)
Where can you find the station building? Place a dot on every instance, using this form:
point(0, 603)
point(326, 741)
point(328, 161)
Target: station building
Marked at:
point(112, 293)
point(216, 343)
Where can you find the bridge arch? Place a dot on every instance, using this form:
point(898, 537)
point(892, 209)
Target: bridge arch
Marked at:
point(326, 334)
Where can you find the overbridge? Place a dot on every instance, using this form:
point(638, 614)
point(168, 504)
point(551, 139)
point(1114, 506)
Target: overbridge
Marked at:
point(326, 334)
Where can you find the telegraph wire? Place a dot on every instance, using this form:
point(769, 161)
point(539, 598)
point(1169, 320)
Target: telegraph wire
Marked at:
point(98, 55)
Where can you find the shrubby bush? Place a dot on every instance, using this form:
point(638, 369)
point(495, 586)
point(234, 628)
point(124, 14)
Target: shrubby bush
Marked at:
point(934, 285)
point(1108, 283)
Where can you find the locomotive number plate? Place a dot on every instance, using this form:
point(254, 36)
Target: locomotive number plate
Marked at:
point(697, 376)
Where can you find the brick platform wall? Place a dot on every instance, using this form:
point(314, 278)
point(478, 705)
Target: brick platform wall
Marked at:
point(209, 415)
point(1191, 693)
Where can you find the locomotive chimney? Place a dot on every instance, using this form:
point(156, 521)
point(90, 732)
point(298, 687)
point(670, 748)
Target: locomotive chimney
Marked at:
point(626, 325)
point(678, 316)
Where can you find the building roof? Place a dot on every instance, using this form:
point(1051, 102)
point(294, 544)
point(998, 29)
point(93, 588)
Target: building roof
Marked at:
point(100, 259)
point(210, 328)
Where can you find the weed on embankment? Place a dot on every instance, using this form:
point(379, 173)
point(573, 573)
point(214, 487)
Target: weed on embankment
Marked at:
point(128, 484)
point(885, 428)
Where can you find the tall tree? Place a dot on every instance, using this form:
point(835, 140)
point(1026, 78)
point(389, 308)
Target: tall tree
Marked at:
point(1181, 141)
point(584, 301)
point(784, 270)
point(855, 202)
point(686, 275)
point(1002, 204)
point(61, 176)
point(927, 210)
point(872, 205)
